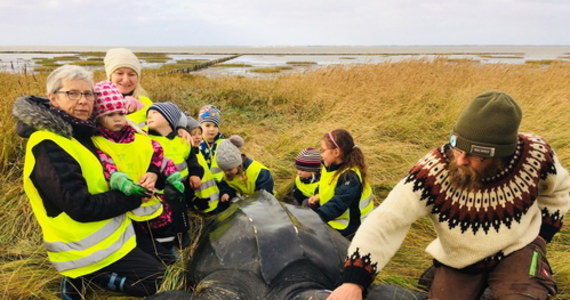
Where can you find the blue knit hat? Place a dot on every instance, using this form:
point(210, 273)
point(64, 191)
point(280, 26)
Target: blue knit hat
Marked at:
point(209, 113)
point(170, 111)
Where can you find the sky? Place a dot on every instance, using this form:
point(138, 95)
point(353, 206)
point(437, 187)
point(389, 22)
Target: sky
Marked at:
point(283, 22)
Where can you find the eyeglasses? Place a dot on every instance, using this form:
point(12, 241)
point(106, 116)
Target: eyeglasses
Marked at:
point(76, 95)
point(458, 152)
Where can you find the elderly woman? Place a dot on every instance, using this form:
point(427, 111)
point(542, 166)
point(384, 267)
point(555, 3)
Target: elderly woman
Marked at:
point(86, 231)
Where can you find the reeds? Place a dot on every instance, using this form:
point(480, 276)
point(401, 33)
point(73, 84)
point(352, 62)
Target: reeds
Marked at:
point(395, 111)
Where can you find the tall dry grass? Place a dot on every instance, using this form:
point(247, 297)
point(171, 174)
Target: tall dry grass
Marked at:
point(396, 112)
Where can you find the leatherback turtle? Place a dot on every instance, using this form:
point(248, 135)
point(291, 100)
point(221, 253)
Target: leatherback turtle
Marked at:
point(260, 248)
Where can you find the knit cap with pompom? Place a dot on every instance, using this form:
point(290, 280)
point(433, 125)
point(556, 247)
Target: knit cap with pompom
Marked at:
point(109, 99)
point(228, 154)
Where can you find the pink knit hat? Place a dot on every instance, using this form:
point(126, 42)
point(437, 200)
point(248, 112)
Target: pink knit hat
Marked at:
point(109, 99)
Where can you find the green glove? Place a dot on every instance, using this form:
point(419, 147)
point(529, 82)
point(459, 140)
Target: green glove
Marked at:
point(120, 181)
point(175, 181)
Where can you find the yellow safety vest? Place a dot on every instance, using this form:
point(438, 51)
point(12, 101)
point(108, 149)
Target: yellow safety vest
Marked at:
point(217, 172)
point(307, 189)
point(247, 188)
point(327, 188)
point(78, 248)
point(175, 149)
point(209, 187)
point(133, 159)
point(139, 116)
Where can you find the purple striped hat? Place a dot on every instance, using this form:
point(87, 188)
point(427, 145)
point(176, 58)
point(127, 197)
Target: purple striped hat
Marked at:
point(308, 160)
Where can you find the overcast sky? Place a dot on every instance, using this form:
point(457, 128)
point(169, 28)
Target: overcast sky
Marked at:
point(284, 22)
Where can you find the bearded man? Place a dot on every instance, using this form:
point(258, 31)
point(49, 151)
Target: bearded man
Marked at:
point(495, 197)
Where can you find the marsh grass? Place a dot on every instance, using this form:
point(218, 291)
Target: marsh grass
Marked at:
point(271, 69)
point(395, 111)
point(232, 66)
point(539, 61)
point(301, 63)
point(501, 56)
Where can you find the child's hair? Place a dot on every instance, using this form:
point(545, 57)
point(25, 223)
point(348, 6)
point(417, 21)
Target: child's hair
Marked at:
point(352, 156)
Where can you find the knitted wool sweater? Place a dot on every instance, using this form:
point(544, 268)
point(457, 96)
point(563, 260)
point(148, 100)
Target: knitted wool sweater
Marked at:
point(529, 198)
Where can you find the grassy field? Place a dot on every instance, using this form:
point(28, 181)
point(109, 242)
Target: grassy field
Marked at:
point(396, 112)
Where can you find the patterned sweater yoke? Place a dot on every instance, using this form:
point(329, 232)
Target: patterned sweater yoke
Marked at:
point(528, 198)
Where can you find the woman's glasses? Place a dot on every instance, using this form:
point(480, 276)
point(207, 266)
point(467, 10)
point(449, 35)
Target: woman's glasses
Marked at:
point(76, 95)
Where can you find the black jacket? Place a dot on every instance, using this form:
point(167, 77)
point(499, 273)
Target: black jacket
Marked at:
point(56, 175)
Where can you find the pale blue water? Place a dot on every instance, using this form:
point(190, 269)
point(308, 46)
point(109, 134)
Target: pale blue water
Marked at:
point(21, 58)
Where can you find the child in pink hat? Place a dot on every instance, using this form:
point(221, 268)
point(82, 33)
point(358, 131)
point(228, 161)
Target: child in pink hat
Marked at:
point(134, 164)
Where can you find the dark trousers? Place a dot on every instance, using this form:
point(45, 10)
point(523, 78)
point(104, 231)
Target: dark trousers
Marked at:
point(523, 274)
point(139, 273)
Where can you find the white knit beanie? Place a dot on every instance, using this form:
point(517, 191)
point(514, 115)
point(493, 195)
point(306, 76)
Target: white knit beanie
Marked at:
point(228, 155)
point(119, 58)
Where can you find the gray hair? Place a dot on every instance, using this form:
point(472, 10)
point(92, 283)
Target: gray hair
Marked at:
point(54, 80)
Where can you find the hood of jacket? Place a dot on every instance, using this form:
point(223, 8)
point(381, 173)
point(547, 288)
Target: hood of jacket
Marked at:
point(34, 113)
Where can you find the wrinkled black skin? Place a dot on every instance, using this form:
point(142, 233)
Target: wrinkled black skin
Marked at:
point(265, 249)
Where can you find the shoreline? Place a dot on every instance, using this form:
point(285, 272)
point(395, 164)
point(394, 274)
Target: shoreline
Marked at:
point(551, 51)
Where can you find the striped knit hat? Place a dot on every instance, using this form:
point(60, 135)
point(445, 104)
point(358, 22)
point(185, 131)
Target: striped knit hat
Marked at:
point(170, 111)
point(209, 113)
point(308, 160)
point(109, 99)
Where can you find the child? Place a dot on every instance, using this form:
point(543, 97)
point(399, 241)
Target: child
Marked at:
point(209, 117)
point(163, 120)
point(345, 196)
point(206, 192)
point(129, 157)
point(308, 164)
point(242, 175)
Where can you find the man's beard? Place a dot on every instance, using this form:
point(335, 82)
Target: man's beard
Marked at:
point(467, 178)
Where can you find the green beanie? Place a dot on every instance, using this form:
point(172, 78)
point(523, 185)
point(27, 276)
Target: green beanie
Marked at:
point(488, 126)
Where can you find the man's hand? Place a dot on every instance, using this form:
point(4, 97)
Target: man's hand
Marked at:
point(347, 291)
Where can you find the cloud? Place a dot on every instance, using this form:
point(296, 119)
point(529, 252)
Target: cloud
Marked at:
point(284, 22)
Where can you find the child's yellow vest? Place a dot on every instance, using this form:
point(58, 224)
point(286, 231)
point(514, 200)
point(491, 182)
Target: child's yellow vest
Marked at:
point(133, 159)
point(247, 188)
point(327, 187)
point(209, 187)
point(139, 117)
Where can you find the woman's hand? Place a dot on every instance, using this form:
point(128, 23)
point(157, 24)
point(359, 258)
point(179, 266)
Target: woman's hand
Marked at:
point(148, 180)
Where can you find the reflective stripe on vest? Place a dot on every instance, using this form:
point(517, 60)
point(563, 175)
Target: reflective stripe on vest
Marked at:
point(209, 187)
point(89, 248)
point(133, 159)
point(176, 150)
point(246, 188)
point(307, 189)
point(217, 172)
point(327, 188)
point(139, 117)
